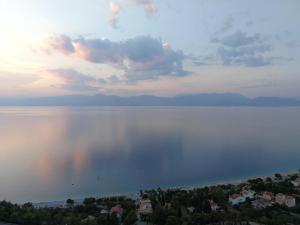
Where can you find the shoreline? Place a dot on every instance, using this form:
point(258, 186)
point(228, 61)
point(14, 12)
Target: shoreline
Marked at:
point(135, 194)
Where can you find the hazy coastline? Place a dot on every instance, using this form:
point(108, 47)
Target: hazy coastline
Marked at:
point(135, 194)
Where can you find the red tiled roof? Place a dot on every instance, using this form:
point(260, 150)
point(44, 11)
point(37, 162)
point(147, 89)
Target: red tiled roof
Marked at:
point(116, 209)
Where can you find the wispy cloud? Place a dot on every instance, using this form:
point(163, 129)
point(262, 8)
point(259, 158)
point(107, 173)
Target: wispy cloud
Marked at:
point(228, 24)
point(73, 80)
point(116, 7)
point(114, 12)
point(241, 48)
point(293, 44)
point(61, 43)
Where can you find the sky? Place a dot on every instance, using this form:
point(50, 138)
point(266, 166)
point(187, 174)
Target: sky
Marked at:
point(157, 47)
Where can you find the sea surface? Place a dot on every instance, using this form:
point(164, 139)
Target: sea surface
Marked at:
point(54, 153)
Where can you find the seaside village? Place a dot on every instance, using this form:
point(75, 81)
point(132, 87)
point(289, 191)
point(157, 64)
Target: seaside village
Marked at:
point(153, 205)
point(263, 199)
point(269, 201)
point(257, 199)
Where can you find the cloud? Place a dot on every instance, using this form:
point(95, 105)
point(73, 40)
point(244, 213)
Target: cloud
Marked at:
point(241, 48)
point(115, 9)
point(228, 24)
point(293, 44)
point(150, 58)
point(238, 39)
point(98, 51)
point(206, 60)
point(249, 23)
point(141, 58)
point(149, 5)
point(114, 79)
point(61, 43)
point(75, 81)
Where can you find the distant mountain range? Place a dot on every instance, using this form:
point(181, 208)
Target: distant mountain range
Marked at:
point(214, 99)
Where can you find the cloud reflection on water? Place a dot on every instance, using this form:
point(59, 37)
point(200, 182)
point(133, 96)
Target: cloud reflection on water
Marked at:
point(54, 153)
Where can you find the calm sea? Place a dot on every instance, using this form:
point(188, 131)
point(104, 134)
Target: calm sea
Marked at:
point(58, 153)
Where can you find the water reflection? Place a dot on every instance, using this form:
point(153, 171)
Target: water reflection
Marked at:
point(55, 153)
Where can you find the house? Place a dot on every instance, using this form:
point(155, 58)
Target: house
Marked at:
point(261, 203)
point(145, 207)
point(280, 198)
point(104, 212)
point(290, 201)
point(248, 194)
point(287, 200)
point(190, 209)
point(168, 205)
point(118, 210)
point(268, 196)
point(213, 205)
point(296, 182)
point(236, 199)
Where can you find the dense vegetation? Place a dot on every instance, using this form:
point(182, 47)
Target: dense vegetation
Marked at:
point(86, 214)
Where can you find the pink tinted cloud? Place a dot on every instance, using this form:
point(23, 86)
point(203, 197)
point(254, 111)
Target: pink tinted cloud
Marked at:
point(115, 9)
point(61, 43)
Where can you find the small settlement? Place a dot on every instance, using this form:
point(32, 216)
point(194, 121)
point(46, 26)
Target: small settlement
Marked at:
point(271, 200)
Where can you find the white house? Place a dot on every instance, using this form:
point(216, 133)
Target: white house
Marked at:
point(145, 207)
point(287, 200)
point(280, 198)
point(248, 194)
point(296, 182)
point(104, 212)
point(261, 203)
point(290, 201)
point(214, 206)
point(236, 199)
point(191, 209)
point(268, 196)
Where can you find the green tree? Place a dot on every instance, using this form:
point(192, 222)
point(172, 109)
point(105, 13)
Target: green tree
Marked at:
point(70, 202)
point(218, 195)
point(131, 218)
point(159, 215)
point(172, 220)
point(113, 220)
point(89, 201)
point(278, 176)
